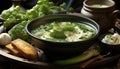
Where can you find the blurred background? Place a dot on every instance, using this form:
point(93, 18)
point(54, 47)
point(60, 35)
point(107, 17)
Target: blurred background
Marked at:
point(76, 4)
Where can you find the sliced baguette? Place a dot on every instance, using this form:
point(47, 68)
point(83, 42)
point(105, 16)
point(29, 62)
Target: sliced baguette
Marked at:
point(12, 50)
point(26, 49)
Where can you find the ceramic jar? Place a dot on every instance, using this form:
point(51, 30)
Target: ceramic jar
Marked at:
point(102, 11)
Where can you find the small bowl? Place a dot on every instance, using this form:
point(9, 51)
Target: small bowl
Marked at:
point(62, 50)
point(114, 48)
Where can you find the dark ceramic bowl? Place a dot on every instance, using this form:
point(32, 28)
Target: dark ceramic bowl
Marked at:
point(59, 50)
point(114, 48)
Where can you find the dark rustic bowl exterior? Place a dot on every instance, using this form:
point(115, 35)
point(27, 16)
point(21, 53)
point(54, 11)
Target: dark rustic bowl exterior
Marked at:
point(59, 50)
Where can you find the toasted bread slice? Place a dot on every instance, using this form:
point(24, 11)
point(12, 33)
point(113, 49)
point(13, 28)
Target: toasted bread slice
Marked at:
point(12, 50)
point(26, 49)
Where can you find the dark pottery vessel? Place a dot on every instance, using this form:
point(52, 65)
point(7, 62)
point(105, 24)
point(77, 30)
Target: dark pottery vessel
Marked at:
point(59, 50)
point(103, 12)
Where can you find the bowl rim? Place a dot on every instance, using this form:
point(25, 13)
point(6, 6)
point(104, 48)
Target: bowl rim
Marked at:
point(81, 16)
point(89, 6)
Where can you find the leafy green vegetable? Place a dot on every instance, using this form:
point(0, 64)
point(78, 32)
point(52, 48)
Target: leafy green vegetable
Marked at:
point(93, 51)
point(18, 31)
point(12, 17)
point(17, 18)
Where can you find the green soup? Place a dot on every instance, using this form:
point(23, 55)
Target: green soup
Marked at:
point(99, 6)
point(64, 32)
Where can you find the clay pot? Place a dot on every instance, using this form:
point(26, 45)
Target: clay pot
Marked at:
point(102, 11)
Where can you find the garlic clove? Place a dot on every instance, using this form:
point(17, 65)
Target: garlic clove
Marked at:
point(5, 39)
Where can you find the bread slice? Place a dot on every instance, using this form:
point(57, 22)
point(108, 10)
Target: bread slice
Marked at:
point(26, 49)
point(12, 50)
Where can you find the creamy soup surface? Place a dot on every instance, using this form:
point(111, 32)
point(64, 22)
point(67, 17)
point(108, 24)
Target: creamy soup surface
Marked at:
point(64, 32)
point(99, 6)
